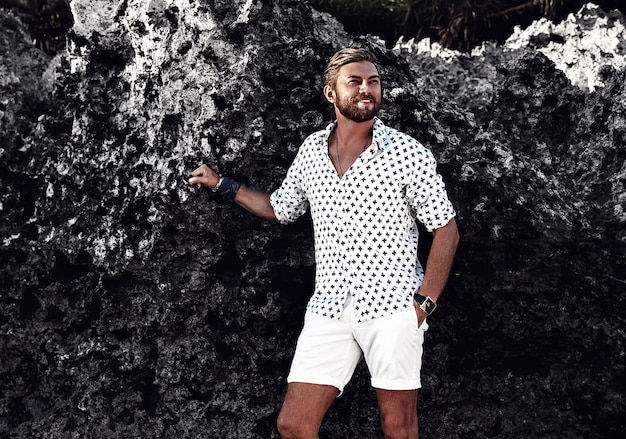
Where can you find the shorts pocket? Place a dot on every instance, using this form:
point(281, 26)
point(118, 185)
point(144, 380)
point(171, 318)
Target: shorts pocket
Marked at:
point(424, 325)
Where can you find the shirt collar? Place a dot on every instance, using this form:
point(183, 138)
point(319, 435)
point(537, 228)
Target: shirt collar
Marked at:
point(377, 138)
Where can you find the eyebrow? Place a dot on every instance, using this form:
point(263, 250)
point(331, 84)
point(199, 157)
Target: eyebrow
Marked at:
point(360, 77)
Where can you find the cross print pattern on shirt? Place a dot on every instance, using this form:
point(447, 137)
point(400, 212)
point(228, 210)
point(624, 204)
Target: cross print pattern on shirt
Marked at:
point(366, 236)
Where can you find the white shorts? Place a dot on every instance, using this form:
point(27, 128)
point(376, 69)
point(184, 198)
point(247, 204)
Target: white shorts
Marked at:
point(328, 350)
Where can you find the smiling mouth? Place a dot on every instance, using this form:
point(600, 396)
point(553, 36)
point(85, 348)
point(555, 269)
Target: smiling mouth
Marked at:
point(365, 100)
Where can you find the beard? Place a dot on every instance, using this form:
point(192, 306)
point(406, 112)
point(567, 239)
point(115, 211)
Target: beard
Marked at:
point(348, 107)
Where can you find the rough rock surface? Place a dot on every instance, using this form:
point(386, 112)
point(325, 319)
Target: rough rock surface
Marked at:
point(133, 305)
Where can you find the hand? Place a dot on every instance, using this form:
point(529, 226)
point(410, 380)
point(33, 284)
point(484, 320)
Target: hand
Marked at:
point(204, 176)
point(421, 315)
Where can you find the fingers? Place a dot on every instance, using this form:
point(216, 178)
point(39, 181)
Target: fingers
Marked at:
point(201, 171)
point(198, 175)
point(204, 169)
point(195, 180)
point(203, 176)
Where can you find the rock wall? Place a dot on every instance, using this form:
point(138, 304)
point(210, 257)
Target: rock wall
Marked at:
point(133, 305)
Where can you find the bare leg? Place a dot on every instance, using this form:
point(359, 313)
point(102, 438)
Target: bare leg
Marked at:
point(303, 410)
point(398, 413)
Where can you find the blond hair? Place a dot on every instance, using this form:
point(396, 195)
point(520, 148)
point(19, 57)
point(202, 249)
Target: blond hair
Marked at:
point(346, 56)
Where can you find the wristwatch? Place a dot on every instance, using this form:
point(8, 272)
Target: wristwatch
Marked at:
point(427, 304)
point(217, 186)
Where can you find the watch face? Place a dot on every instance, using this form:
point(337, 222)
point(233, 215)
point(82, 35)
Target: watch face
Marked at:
point(428, 305)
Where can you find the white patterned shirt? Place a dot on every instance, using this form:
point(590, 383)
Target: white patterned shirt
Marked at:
point(366, 237)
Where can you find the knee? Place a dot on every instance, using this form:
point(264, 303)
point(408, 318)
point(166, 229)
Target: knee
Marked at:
point(284, 427)
point(289, 428)
point(399, 427)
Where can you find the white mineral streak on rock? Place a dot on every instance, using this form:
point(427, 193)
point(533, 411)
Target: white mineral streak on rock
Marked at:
point(93, 16)
point(185, 90)
point(50, 191)
point(163, 56)
point(90, 16)
point(244, 12)
point(425, 46)
point(581, 55)
point(585, 49)
point(174, 57)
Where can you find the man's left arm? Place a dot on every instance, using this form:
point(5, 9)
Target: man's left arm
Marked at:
point(439, 263)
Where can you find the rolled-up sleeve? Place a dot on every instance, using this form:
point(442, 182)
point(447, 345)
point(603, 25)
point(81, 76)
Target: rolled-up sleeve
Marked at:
point(289, 201)
point(427, 194)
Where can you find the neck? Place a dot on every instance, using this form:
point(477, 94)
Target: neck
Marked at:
point(353, 134)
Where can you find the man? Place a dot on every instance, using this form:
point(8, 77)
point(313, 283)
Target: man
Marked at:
point(365, 185)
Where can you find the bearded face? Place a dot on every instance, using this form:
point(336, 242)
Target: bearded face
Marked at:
point(360, 108)
point(357, 93)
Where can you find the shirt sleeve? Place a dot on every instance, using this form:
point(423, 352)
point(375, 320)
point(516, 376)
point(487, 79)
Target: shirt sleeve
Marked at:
point(427, 194)
point(289, 201)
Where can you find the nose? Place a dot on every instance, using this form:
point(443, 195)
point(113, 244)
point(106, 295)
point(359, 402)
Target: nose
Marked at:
point(364, 88)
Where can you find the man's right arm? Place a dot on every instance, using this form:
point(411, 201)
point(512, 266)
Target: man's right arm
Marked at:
point(253, 201)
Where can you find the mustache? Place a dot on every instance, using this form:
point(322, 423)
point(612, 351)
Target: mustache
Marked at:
point(364, 96)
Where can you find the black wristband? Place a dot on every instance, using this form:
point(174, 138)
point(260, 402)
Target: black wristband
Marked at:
point(228, 189)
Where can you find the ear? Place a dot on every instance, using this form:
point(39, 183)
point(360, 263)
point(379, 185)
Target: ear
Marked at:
point(329, 94)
